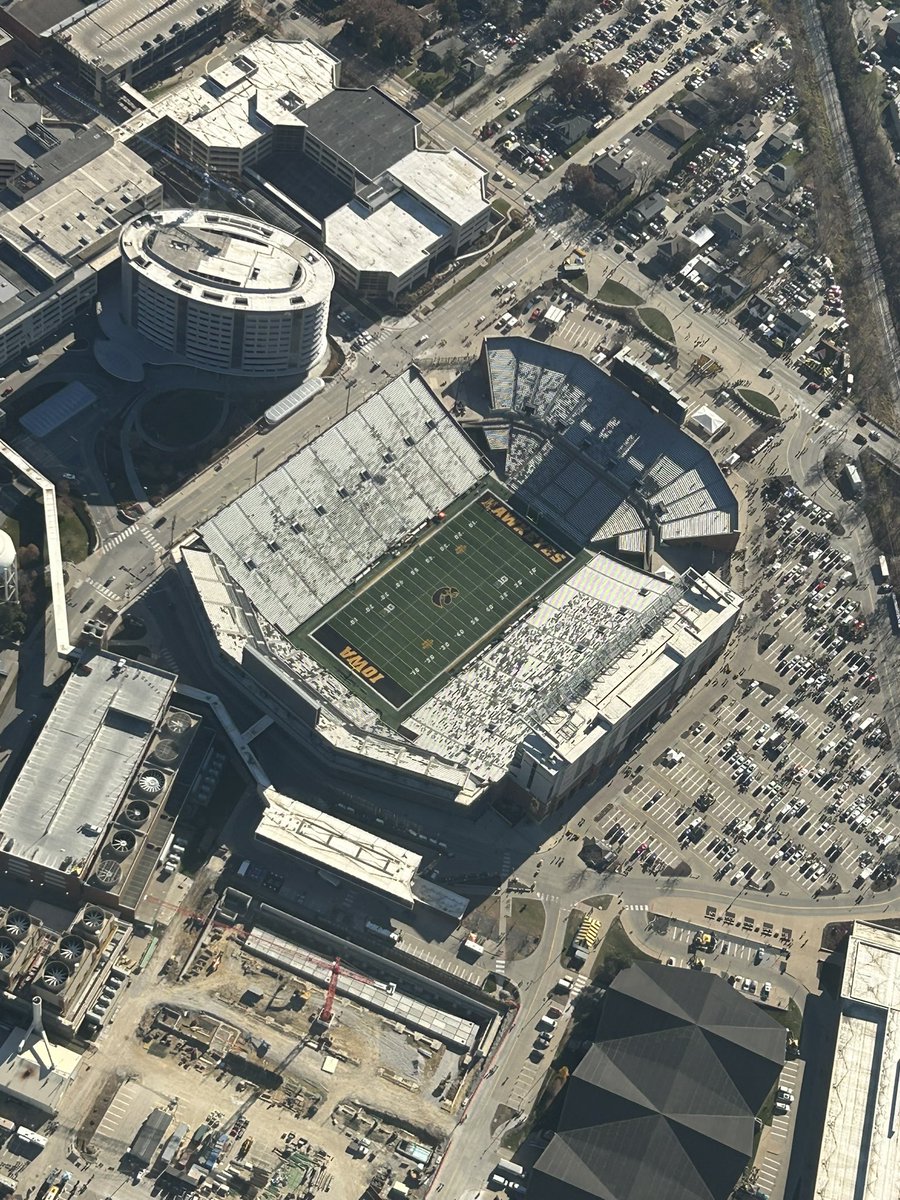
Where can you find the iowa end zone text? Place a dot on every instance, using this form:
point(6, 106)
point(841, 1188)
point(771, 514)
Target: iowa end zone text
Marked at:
point(351, 658)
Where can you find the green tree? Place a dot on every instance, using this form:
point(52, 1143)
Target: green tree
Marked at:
point(587, 192)
point(608, 86)
point(569, 82)
point(12, 622)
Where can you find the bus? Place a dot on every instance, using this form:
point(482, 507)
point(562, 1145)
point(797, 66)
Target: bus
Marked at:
point(382, 931)
point(884, 575)
point(30, 1138)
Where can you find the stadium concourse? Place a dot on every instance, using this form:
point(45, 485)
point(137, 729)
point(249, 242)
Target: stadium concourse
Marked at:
point(390, 600)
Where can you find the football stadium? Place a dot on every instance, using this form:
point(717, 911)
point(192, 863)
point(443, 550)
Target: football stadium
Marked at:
point(433, 615)
point(426, 612)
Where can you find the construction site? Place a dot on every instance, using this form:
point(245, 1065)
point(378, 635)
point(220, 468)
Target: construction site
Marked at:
point(245, 1060)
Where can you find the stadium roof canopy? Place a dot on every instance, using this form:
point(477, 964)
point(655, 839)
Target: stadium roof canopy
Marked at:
point(664, 1103)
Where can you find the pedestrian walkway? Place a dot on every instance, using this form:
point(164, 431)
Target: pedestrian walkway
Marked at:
point(110, 595)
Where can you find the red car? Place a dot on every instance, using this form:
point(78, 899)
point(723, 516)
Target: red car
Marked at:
point(535, 314)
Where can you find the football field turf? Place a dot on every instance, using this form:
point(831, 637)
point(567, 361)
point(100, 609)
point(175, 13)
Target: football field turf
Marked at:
point(418, 617)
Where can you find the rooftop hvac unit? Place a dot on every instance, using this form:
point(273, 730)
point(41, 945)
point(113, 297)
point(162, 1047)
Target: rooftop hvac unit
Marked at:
point(91, 923)
point(177, 724)
point(151, 783)
point(71, 948)
point(135, 813)
point(7, 951)
point(54, 976)
point(16, 924)
point(120, 844)
point(166, 751)
point(108, 873)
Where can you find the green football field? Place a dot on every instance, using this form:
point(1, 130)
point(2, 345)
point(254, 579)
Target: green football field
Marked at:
point(427, 611)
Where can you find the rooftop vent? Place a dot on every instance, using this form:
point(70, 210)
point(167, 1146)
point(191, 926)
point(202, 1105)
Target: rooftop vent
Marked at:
point(93, 919)
point(120, 845)
point(71, 948)
point(151, 783)
point(108, 873)
point(136, 812)
point(166, 751)
point(16, 925)
point(177, 723)
point(55, 975)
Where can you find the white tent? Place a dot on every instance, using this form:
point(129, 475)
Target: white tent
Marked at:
point(707, 422)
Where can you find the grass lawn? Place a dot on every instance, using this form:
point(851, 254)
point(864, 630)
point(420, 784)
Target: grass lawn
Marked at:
point(658, 324)
point(501, 204)
point(767, 1112)
point(761, 403)
point(430, 608)
point(881, 501)
point(579, 281)
point(72, 535)
point(617, 952)
point(617, 293)
point(791, 1018)
point(502, 250)
point(572, 924)
point(525, 926)
point(430, 83)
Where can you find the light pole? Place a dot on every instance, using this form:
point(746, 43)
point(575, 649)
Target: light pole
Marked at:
point(351, 384)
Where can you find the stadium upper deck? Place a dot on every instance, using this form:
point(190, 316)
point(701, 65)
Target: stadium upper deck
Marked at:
point(601, 465)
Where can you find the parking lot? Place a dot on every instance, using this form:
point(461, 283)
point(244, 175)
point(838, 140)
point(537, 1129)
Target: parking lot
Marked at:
point(787, 784)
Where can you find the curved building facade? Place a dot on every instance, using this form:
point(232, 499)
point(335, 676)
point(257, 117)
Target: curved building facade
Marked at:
point(226, 292)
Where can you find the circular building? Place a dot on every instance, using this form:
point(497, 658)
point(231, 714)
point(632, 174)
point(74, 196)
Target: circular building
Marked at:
point(225, 292)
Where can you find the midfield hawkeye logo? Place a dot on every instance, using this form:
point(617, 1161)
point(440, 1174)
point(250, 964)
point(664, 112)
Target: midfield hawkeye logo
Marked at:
point(526, 532)
point(355, 661)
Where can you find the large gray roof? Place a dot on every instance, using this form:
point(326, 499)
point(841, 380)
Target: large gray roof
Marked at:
point(366, 128)
point(83, 760)
point(664, 1103)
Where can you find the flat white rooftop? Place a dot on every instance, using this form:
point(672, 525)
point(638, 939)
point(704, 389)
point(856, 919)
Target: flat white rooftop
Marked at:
point(448, 181)
point(395, 238)
point(71, 217)
point(335, 845)
point(83, 759)
point(117, 30)
point(269, 83)
point(251, 262)
point(860, 1157)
